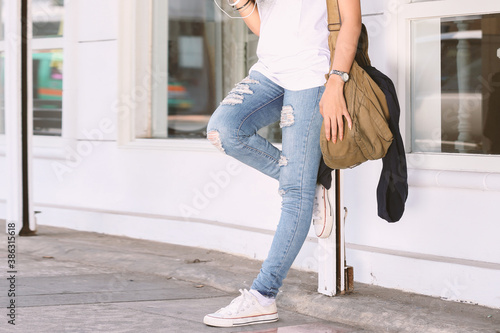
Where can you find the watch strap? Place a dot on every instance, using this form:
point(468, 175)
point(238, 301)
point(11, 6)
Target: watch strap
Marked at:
point(339, 73)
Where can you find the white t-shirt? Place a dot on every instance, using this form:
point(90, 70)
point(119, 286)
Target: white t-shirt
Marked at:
point(293, 45)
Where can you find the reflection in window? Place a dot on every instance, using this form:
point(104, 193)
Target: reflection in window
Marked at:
point(47, 92)
point(48, 22)
point(456, 70)
point(191, 88)
point(47, 18)
point(186, 65)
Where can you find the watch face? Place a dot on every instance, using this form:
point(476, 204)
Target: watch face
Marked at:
point(345, 77)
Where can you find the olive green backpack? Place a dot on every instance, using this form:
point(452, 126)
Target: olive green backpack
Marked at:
point(370, 136)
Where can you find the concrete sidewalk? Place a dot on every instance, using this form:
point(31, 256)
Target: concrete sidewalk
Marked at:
point(71, 281)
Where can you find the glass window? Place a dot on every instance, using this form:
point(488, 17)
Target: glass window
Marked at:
point(47, 16)
point(455, 80)
point(48, 21)
point(198, 56)
point(186, 61)
point(47, 92)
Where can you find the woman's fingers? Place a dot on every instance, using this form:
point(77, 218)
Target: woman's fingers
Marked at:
point(333, 119)
point(340, 123)
point(348, 118)
point(333, 128)
point(328, 128)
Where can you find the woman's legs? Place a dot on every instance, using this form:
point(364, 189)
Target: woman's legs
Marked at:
point(254, 103)
point(301, 153)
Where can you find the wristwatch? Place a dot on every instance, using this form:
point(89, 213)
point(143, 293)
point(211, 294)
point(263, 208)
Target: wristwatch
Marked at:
point(343, 75)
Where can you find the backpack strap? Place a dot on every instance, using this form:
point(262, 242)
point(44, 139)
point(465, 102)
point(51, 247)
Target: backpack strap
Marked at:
point(333, 15)
point(334, 23)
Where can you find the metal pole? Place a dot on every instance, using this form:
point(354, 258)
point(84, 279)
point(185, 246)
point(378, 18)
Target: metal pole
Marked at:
point(25, 118)
point(327, 250)
point(340, 233)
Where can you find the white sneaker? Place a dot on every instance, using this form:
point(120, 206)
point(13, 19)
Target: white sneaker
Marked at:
point(322, 213)
point(243, 310)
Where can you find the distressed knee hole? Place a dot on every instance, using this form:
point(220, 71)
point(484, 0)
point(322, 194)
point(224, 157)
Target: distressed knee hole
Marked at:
point(236, 95)
point(232, 99)
point(242, 89)
point(287, 117)
point(248, 80)
point(283, 161)
point(214, 138)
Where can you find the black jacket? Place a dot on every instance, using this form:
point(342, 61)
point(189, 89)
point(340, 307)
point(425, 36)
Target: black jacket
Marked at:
point(392, 189)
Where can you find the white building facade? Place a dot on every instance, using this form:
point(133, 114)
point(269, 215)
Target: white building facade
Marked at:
point(123, 91)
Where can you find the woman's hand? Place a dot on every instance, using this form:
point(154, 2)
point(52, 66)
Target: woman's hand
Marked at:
point(333, 107)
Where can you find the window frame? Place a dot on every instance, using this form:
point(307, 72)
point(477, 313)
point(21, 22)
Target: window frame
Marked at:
point(53, 146)
point(408, 12)
point(135, 21)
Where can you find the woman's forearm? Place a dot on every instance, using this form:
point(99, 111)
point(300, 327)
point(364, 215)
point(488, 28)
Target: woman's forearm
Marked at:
point(333, 105)
point(347, 42)
point(251, 16)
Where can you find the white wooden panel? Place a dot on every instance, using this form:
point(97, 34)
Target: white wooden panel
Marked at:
point(158, 120)
point(98, 19)
point(383, 43)
point(369, 7)
point(13, 146)
point(97, 90)
point(71, 67)
point(3, 179)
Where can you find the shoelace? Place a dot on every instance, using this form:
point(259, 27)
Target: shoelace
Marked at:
point(240, 302)
point(316, 212)
point(316, 208)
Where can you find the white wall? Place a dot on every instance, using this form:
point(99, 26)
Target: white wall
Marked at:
point(3, 186)
point(445, 245)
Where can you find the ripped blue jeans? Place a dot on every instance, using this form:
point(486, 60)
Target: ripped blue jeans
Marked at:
point(255, 103)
